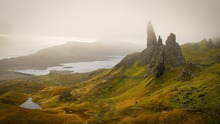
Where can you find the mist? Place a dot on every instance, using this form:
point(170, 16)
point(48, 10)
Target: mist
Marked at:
point(115, 20)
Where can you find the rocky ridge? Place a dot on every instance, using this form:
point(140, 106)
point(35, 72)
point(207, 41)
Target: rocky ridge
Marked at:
point(157, 55)
point(169, 54)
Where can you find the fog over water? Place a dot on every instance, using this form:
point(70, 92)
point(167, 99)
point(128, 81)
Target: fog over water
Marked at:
point(43, 23)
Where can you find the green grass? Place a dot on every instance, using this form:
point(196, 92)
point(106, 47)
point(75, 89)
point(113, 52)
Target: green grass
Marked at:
point(199, 53)
point(124, 95)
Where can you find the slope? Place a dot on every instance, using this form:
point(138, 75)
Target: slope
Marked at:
point(124, 94)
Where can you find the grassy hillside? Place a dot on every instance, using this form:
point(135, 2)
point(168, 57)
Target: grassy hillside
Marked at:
point(123, 94)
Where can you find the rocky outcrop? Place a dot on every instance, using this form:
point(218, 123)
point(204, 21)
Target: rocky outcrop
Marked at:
point(173, 53)
point(151, 37)
point(66, 96)
point(188, 72)
point(157, 67)
point(159, 55)
point(148, 54)
point(156, 55)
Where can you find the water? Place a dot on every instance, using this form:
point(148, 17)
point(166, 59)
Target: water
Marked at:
point(79, 67)
point(30, 105)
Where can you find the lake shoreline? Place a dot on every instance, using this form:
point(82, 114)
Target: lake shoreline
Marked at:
point(69, 68)
point(8, 74)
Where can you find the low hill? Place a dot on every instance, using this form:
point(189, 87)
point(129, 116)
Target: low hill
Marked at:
point(69, 52)
point(66, 53)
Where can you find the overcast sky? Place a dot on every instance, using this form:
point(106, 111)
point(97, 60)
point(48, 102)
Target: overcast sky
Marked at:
point(126, 20)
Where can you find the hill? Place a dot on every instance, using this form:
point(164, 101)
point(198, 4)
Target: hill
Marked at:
point(66, 53)
point(145, 87)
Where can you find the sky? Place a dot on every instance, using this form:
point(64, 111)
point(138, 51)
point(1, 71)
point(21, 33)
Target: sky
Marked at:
point(120, 20)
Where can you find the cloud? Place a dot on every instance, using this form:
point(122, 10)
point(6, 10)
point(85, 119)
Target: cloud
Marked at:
point(191, 20)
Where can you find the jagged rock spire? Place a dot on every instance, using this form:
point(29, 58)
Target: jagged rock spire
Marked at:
point(151, 37)
point(173, 53)
point(157, 55)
